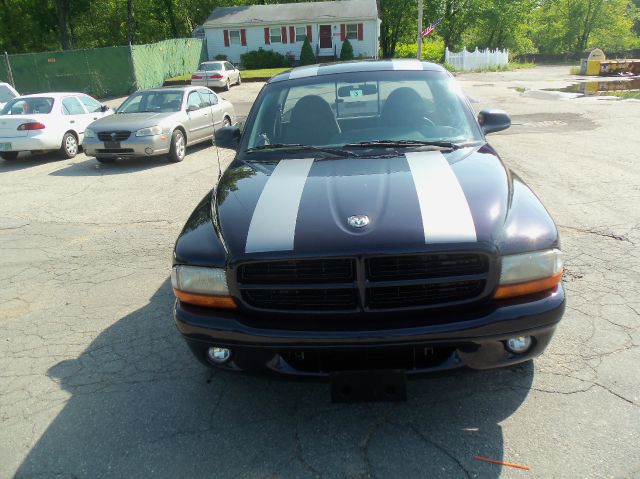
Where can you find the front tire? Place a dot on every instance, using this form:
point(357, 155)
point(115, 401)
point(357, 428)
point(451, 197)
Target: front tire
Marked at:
point(9, 155)
point(228, 85)
point(178, 148)
point(226, 121)
point(239, 80)
point(69, 147)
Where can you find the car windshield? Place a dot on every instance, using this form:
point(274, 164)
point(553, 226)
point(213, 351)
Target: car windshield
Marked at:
point(152, 101)
point(211, 67)
point(28, 106)
point(6, 94)
point(365, 109)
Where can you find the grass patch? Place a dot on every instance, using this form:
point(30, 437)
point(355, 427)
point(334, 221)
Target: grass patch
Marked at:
point(500, 68)
point(263, 73)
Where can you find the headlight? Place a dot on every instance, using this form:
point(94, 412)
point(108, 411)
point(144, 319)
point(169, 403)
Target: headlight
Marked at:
point(529, 273)
point(89, 133)
point(151, 131)
point(201, 286)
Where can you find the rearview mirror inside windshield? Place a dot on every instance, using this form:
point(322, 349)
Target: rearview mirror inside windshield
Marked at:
point(354, 91)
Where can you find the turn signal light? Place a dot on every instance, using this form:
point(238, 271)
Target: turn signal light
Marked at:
point(529, 287)
point(206, 300)
point(36, 125)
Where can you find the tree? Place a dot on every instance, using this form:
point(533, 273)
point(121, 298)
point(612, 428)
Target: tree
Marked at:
point(306, 54)
point(346, 52)
point(398, 24)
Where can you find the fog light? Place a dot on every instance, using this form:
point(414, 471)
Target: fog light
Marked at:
point(149, 151)
point(519, 345)
point(218, 355)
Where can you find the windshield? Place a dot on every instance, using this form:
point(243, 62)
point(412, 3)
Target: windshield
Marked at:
point(6, 94)
point(152, 101)
point(28, 106)
point(211, 67)
point(362, 107)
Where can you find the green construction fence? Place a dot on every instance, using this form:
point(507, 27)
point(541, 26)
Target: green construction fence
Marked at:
point(103, 72)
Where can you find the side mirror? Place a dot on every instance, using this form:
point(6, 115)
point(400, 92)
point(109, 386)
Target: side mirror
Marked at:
point(228, 137)
point(493, 120)
point(104, 108)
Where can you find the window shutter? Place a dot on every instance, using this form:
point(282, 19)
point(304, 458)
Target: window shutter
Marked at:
point(360, 32)
point(343, 31)
point(284, 34)
point(226, 38)
point(309, 32)
point(292, 34)
point(267, 38)
point(243, 37)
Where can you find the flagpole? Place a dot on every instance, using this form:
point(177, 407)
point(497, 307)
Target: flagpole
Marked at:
point(419, 29)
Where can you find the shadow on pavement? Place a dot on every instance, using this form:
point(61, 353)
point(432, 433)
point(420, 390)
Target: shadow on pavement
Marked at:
point(29, 160)
point(92, 167)
point(141, 406)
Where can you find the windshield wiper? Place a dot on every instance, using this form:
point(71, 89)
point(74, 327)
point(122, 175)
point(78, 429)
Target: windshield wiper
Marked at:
point(298, 146)
point(391, 143)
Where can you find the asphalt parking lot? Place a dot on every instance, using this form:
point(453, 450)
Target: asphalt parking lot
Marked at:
point(96, 382)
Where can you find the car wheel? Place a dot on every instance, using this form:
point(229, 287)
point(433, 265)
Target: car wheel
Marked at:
point(178, 147)
point(105, 159)
point(69, 147)
point(228, 85)
point(239, 80)
point(226, 121)
point(9, 155)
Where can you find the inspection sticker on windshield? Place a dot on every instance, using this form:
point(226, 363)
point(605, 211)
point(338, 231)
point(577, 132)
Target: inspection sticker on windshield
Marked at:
point(355, 93)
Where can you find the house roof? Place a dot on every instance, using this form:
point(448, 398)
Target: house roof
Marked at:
point(293, 12)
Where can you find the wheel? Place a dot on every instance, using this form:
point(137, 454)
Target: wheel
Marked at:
point(69, 147)
point(178, 147)
point(228, 85)
point(239, 80)
point(226, 121)
point(105, 159)
point(9, 155)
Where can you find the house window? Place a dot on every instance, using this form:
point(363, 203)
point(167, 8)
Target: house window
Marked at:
point(301, 34)
point(275, 35)
point(234, 37)
point(352, 31)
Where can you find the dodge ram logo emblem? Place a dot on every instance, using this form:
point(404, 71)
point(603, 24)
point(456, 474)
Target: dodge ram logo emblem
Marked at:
point(358, 221)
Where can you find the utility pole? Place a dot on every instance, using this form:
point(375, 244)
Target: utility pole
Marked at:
point(130, 22)
point(419, 29)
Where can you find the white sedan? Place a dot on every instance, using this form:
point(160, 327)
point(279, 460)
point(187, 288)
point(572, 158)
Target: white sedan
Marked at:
point(219, 74)
point(47, 121)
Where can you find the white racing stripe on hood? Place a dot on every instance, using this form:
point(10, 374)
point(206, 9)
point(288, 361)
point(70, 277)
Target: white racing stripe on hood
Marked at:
point(446, 216)
point(273, 224)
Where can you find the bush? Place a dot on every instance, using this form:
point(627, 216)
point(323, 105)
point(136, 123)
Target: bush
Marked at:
point(432, 50)
point(258, 59)
point(306, 54)
point(221, 57)
point(346, 52)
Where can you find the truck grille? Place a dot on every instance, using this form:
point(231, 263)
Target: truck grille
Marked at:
point(113, 135)
point(379, 283)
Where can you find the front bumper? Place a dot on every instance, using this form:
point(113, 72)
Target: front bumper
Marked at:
point(476, 342)
point(219, 83)
point(134, 146)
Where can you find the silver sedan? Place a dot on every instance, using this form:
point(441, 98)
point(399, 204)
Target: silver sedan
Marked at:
point(161, 121)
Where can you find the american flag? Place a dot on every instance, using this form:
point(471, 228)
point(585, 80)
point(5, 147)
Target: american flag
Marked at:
point(431, 27)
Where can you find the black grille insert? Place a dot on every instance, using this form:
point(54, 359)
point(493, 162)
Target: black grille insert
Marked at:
point(113, 135)
point(423, 294)
point(298, 271)
point(424, 266)
point(302, 299)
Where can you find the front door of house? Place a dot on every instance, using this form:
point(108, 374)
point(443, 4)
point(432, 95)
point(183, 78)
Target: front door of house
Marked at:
point(325, 36)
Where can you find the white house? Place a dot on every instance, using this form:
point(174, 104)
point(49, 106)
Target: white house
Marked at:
point(232, 31)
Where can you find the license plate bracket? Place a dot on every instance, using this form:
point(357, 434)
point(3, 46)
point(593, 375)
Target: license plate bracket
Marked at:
point(112, 145)
point(5, 146)
point(370, 385)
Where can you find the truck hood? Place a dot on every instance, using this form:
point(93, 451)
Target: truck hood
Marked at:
point(412, 201)
point(129, 121)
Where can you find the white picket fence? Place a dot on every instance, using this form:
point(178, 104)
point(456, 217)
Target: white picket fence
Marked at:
point(477, 59)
